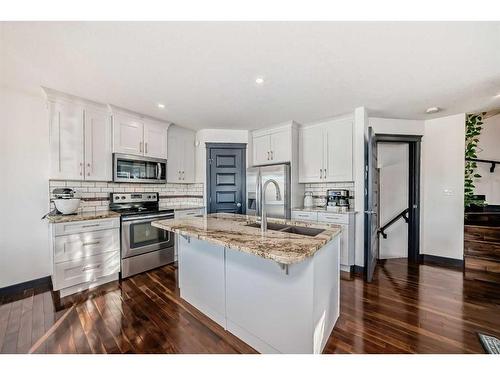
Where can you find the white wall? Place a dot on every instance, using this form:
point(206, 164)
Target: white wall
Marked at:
point(393, 164)
point(443, 187)
point(24, 155)
point(396, 126)
point(489, 148)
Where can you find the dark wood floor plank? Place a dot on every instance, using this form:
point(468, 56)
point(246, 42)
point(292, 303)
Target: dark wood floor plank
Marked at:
point(13, 325)
point(4, 320)
point(406, 309)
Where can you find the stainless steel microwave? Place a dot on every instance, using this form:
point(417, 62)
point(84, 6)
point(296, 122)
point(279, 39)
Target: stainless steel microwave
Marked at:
point(143, 169)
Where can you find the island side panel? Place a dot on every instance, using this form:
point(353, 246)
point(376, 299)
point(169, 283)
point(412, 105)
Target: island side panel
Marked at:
point(265, 307)
point(326, 292)
point(202, 277)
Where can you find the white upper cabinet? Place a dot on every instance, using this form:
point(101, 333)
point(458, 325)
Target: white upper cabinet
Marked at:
point(80, 140)
point(325, 152)
point(139, 135)
point(281, 146)
point(261, 149)
point(155, 139)
point(66, 141)
point(98, 145)
point(311, 154)
point(273, 145)
point(128, 134)
point(338, 151)
point(181, 155)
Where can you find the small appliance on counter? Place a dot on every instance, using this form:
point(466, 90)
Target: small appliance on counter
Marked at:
point(308, 199)
point(65, 201)
point(338, 200)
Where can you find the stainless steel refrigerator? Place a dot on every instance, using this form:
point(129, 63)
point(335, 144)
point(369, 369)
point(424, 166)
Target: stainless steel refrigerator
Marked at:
point(256, 178)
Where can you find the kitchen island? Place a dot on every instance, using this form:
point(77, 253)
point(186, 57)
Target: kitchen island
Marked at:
point(278, 291)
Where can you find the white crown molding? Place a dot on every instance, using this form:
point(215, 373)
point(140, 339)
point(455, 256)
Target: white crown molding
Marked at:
point(56, 96)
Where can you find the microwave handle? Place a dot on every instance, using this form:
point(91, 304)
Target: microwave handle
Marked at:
point(158, 171)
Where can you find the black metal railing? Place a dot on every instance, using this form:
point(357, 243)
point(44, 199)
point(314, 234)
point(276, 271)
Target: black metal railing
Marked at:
point(492, 162)
point(402, 214)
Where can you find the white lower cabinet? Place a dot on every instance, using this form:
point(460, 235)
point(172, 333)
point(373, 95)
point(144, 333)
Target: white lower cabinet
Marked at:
point(346, 221)
point(304, 216)
point(85, 254)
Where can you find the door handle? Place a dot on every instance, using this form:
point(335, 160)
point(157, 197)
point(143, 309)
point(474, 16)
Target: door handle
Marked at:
point(370, 212)
point(183, 175)
point(146, 145)
point(320, 173)
point(268, 155)
point(272, 155)
point(140, 146)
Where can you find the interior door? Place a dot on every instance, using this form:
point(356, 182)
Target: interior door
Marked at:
point(372, 206)
point(226, 176)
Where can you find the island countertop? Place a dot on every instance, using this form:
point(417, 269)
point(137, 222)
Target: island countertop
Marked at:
point(231, 230)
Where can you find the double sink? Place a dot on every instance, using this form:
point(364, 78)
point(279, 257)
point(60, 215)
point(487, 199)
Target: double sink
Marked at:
point(303, 231)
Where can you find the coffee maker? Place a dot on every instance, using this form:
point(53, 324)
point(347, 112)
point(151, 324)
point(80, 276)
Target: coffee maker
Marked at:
point(337, 200)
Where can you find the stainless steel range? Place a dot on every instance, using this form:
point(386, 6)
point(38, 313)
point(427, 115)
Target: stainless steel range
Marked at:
point(143, 247)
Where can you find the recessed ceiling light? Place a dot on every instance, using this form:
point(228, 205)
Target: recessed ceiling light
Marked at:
point(259, 80)
point(161, 106)
point(432, 110)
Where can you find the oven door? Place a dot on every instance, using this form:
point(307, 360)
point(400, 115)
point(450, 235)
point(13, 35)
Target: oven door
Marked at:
point(132, 168)
point(139, 236)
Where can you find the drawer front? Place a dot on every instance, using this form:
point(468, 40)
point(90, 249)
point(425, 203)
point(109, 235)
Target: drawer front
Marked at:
point(80, 245)
point(88, 269)
point(304, 216)
point(188, 213)
point(62, 229)
point(326, 217)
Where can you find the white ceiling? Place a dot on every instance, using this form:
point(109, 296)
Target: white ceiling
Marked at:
point(205, 73)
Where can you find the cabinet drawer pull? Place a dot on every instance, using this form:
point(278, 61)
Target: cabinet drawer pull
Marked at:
point(91, 225)
point(88, 268)
point(91, 243)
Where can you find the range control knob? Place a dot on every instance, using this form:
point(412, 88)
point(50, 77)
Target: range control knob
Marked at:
point(123, 196)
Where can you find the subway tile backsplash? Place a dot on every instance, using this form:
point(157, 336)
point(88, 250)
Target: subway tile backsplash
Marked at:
point(319, 189)
point(95, 195)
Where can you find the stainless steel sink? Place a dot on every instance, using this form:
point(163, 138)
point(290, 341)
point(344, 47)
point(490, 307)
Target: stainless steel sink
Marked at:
point(270, 226)
point(303, 231)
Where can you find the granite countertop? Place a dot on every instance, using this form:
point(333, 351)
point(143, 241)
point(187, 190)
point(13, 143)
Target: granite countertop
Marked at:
point(59, 218)
point(230, 230)
point(322, 209)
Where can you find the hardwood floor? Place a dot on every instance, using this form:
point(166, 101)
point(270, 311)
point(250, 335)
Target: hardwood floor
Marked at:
point(407, 309)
